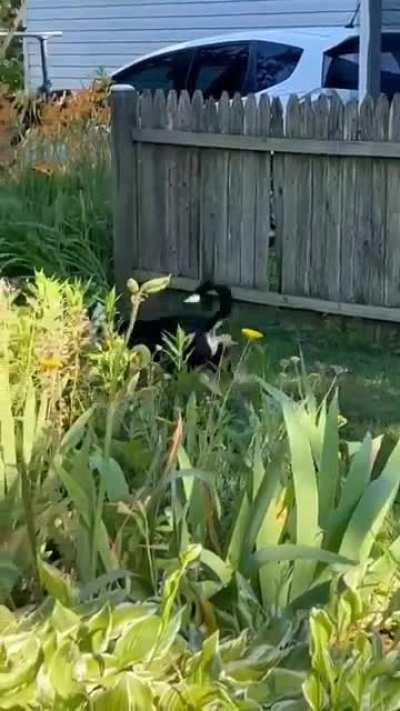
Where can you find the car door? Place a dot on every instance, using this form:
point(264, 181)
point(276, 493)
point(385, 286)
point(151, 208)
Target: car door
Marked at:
point(165, 71)
point(220, 67)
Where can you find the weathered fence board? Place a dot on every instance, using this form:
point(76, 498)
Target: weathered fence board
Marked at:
point(193, 196)
point(124, 104)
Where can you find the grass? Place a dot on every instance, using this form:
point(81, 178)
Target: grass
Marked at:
point(370, 385)
point(369, 355)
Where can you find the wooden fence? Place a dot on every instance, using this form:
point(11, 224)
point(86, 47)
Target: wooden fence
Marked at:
point(192, 198)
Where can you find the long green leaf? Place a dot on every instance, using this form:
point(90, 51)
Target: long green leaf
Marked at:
point(114, 479)
point(370, 513)
point(9, 575)
point(272, 524)
point(29, 424)
point(328, 481)
point(185, 464)
point(265, 525)
point(75, 434)
point(359, 473)
point(356, 482)
point(306, 493)
point(241, 519)
point(8, 451)
point(296, 553)
point(222, 570)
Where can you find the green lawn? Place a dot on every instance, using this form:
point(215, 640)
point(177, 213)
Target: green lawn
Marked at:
point(369, 355)
point(368, 352)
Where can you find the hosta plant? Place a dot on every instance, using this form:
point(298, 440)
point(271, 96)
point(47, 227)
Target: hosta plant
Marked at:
point(75, 655)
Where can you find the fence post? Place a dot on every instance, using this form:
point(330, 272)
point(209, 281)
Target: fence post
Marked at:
point(125, 195)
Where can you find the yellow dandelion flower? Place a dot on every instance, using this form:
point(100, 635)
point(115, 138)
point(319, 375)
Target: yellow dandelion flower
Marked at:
point(51, 363)
point(252, 335)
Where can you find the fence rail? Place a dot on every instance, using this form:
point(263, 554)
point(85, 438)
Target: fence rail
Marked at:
point(193, 183)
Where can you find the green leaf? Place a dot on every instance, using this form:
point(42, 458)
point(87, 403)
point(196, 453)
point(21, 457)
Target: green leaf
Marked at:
point(8, 620)
point(63, 619)
point(123, 616)
point(7, 433)
point(329, 465)
point(21, 698)
point(283, 684)
point(222, 570)
point(9, 575)
point(321, 629)
point(355, 484)
point(61, 670)
point(132, 286)
point(78, 479)
point(265, 525)
point(293, 553)
point(205, 666)
point(172, 583)
point(185, 465)
point(113, 477)
point(199, 474)
point(129, 694)
point(239, 530)
point(306, 494)
point(314, 693)
point(371, 511)
point(56, 584)
point(169, 634)
point(98, 628)
point(155, 285)
point(143, 354)
point(26, 667)
point(76, 432)
point(138, 642)
point(28, 424)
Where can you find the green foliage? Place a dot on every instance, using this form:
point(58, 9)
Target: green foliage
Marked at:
point(60, 224)
point(126, 656)
point(11, 60)
point(352, 666)
point(182, 527)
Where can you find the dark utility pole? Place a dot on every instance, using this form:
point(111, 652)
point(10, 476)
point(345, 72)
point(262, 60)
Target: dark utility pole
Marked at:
point(370, 48)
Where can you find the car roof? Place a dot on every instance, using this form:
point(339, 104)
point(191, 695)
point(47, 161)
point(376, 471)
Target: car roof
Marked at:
point(318, 37)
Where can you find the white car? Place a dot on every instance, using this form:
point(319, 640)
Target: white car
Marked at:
point(277, 62)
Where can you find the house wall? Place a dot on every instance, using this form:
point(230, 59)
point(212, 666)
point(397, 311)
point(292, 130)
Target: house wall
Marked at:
point(109, 33)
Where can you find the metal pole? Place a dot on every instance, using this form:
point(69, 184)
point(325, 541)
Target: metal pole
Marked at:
point(370, 48)
point(46, 85)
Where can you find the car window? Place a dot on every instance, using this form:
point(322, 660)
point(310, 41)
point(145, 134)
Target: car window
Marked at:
point(168, 71)
point(274, 63)
point(341, 65)
point(218, 68)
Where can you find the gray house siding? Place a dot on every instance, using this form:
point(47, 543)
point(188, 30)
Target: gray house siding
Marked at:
point(101, 34)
